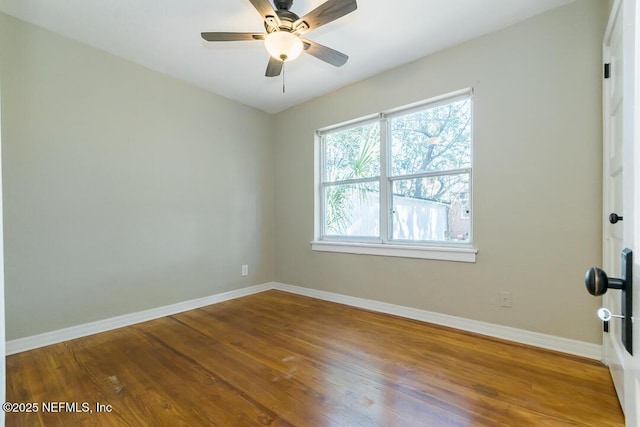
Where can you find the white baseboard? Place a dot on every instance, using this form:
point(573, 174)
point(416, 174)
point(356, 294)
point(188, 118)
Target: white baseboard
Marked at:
point(565, 345)
point(60, 335)
point(550, 342)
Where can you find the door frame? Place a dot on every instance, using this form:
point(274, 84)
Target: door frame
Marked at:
point(610, 354)
point(624, 368)
point(631, 19)
point(3, 368)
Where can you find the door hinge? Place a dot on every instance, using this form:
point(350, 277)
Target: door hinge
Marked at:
point(607, 70)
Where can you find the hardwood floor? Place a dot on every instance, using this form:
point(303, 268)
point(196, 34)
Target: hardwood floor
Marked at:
point(277, 359)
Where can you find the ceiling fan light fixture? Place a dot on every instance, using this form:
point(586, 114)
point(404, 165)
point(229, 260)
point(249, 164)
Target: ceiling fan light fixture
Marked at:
point(283, 45)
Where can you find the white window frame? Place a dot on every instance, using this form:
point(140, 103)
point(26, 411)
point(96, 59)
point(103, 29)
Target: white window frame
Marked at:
point(385, 245)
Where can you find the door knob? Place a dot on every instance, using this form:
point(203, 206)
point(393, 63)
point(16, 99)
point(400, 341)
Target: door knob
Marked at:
point(597, 283)
point(614, 218)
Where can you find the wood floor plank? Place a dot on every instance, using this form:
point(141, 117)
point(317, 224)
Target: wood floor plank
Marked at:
point(345, 363)
point(404, 375)
point(280, 359)
point(181, 397)
point(335, 383)
point(446, 364)
point(293, 399)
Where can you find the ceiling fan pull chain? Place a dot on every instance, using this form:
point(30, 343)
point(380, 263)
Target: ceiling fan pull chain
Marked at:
point(283, 77)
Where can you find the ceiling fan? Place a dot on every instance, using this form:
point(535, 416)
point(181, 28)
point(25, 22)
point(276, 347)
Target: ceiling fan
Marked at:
point(284, 28)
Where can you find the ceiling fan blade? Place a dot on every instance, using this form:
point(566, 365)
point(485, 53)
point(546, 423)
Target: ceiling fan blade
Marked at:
point(231, 37)
point(265, 9)
point(327, 12)
point(274, 67)
point(324, 53)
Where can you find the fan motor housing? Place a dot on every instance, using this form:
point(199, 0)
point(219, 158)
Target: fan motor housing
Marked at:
point(286, 21)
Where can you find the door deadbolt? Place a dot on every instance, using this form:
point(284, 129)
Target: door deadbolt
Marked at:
point(605, 315)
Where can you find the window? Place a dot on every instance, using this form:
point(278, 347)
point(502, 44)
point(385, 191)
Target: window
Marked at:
point(399, 181)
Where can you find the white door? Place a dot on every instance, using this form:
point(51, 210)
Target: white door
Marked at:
point(621, 174)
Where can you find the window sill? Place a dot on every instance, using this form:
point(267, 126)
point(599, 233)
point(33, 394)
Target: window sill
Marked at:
point(442, 253)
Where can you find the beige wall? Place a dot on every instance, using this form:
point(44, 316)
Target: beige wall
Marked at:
point(537, 178)
point(124, 189)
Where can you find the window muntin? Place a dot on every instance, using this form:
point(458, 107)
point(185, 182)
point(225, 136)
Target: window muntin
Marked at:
point(403, 178)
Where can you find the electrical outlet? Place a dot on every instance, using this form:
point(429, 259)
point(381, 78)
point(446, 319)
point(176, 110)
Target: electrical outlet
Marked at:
point(506, 299)
point(245, 270)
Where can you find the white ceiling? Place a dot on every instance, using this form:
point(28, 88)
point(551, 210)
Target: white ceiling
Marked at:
point(164, 35)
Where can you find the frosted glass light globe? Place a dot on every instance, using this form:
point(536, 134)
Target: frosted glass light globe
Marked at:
point(283, 45)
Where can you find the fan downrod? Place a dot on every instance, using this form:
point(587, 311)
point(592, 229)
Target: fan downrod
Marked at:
point(283, 4)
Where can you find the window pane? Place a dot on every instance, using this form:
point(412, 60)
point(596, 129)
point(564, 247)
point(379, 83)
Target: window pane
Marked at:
point(433, 208)
point(434, 139)
point(352, 153)
point(353, 210)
